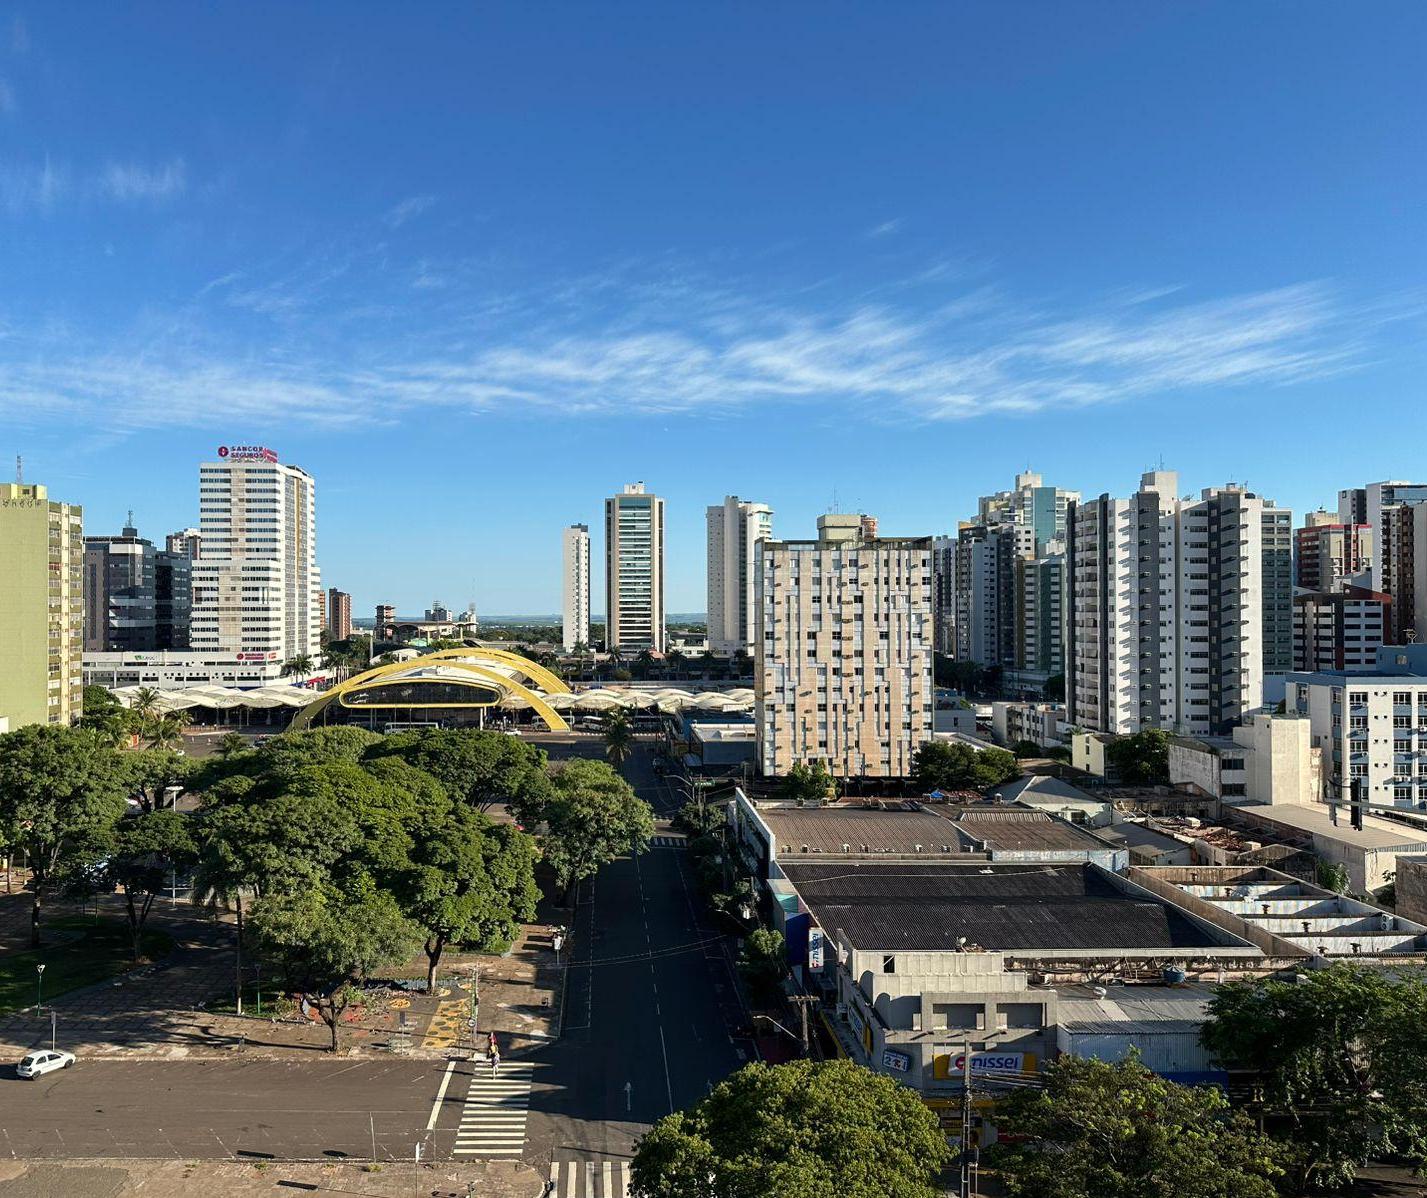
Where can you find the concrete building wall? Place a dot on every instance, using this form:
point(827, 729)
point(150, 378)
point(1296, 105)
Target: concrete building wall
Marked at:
point(734, 529)
point(843, 660)
point(41, 607)
point(634, 571)
point(1411, 887)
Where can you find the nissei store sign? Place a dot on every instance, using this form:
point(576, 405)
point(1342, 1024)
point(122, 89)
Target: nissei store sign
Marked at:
point(247, 453)
point(991, 1062)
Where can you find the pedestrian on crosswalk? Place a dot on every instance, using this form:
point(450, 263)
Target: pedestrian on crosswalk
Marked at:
point(495, 1061)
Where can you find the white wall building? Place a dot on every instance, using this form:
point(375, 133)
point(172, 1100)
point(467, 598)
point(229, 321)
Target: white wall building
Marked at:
point(1179, 608)
point(1365, 505)
point(634, 571)
point(734, 529)
point(1370, 726)
point(1042, 723)
point(575, 602)
point(257, 592)
point(1267, 759)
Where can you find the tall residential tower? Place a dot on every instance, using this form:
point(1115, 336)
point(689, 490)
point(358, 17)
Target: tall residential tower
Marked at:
point(734, 529)
point(634, 571)
point(575, 590)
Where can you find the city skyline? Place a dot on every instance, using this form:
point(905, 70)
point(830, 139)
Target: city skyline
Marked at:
point(682, 248)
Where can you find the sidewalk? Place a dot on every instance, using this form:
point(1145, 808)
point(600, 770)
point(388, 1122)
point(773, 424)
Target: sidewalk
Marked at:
point(159, 1010)
point(224, 1179)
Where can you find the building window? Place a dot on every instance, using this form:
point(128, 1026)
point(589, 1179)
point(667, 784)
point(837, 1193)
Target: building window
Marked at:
point(889, 964)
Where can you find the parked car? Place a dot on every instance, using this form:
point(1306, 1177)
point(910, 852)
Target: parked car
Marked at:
point(42, 1061)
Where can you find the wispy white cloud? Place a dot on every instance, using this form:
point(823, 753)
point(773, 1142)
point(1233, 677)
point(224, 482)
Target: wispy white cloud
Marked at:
point(634, 341)
point(133, 181)
point(886, 228)
point(32, 187)
point(410, 207)
point(7, 98)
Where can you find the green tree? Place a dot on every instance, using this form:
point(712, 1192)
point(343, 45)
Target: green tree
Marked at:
point(151, 773)
point(315, 746)
point(618, 736)
point(61, 792)
point(763, 961)
point(1142, 758)
point(300, 665)
point(807, 783)
point(1026, 748)
point(1334, 876)
point(825, 1129)
point(475, 767)
point(952, 765)
point(318, 941)
point(230, 744)
point(104, 714)
point(1097, 1129)
point(589, 816)
point(144, 852)
point(471, 882)
point(165, 732)
point(1338, 1054)
point(1053, 691)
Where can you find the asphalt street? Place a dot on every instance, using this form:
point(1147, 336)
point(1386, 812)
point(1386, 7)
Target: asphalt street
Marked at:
point(294, 1109)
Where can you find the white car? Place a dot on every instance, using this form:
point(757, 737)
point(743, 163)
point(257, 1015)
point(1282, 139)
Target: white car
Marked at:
point(42, 1061)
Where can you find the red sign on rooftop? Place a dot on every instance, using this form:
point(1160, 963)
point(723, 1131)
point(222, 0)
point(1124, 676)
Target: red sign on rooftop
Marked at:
point(247, 453)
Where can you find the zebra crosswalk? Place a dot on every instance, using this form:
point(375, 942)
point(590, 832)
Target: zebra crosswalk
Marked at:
point(587, 1177)
point(494, 1114)
point(667, 842)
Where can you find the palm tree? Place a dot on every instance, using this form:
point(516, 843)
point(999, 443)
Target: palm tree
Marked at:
point(708, 661)
point(145, 703)
point(301, 664)
point(165, 731)
point(618, 736)
point(230, 744)
point(674, 662)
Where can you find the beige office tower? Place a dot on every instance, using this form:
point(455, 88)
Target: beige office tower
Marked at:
point(257, 594)
point(843, 651)
point(41, 607)
point(734, 529)
point(634, 571)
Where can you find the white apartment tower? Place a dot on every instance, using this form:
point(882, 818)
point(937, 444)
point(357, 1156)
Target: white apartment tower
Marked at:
point(575, 606)
point(257, 594)
point(734, 530)
point(843, 651)
point(634, 571)
point(1178, 608)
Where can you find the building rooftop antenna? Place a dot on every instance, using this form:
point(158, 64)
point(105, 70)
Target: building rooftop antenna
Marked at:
point(19, 469)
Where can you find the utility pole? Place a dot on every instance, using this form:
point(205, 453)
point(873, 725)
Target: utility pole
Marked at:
point(802, 1002)
point(966, 1122)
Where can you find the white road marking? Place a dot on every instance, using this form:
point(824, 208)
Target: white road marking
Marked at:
point(440, 1096)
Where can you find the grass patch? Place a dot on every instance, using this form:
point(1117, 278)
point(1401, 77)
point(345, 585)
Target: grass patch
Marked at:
point(98, 949)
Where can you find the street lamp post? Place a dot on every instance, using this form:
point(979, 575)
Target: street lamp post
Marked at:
point(39, 986)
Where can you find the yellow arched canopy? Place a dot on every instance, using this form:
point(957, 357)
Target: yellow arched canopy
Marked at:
point(485, 667)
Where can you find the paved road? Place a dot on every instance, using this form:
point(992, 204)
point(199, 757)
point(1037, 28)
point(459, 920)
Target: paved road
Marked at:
point(203, 1109)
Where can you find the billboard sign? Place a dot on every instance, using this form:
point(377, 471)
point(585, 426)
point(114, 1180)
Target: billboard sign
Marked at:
point(900, 1062)
point(247, 453)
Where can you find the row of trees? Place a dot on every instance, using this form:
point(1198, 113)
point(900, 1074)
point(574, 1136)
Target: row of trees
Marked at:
point(341, 851)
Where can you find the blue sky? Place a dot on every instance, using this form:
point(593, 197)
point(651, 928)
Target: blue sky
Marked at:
point(476, 266)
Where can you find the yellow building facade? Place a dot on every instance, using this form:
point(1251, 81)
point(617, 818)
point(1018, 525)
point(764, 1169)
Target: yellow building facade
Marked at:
point(41, 607)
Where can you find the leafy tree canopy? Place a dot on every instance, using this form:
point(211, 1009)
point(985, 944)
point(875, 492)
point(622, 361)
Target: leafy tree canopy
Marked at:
point(1141, 758)
point(954, 765)
point(144, 852)
point(1339, 1054)
point(1097, 1129)
point(589, 816)
point(808, 783)
point(828, 1129)
point(476, 767)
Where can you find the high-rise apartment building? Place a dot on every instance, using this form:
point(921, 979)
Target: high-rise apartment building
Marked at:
point(1366, 505)
point(575, 586)
point(257, 593)
point(944, 594)
point(634, 571)
point(1007, 593)
point(1340, 629)
point(1178, 608)
point(843, 651)
point(187, 541)
point(41, 607)
point(1404, 569)
point(734, 529)
point(1328, 553)
point(339, 615)
point(137, 599)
